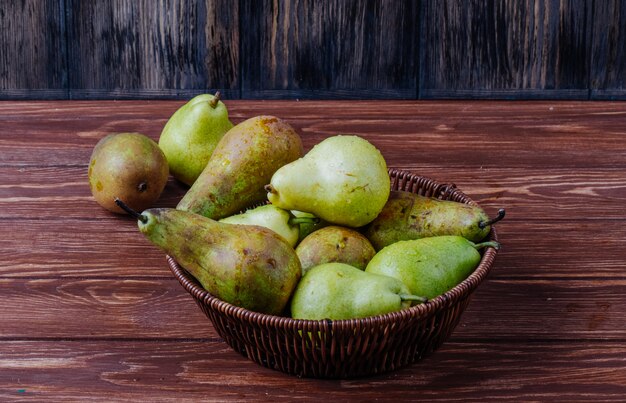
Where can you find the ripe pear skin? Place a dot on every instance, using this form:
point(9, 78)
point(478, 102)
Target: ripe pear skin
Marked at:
point(309, 226)
point(409, 216)
point(242, 163)
point(248, 266)
point(339, 291)
point(129, 166)
point(271, 217)
point(342, 180)
point(429, 266)
point(335, 244)
point(192, 133)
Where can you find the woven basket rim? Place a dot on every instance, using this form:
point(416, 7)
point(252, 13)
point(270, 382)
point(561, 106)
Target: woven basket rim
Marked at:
point(417, 312)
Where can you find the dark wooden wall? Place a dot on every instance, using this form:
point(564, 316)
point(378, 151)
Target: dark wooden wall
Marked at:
point(402, 49)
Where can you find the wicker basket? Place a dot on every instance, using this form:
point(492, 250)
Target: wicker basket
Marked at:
point(346, 348)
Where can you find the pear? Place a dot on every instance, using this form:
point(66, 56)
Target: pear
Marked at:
point(129, 166)
point(409, 216)
point(429, 266)
point(269, 216)
point(339, 291)
point(342, 180)
point(335, 244)
point(192, 133)
point(309, 225)
point(248, 266)
point(243, 161)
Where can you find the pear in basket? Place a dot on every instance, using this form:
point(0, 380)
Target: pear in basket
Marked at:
point(339, 291)
point(342, 180)
point(409, 216)
point(281, 221)
point(243, 161)
point(429, 266)
point(248, 266)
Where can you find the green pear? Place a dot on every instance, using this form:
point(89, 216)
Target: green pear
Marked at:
point(409, 216)
point(429, 266)
point(339, 291)
point(269, 216)
point(248, 266)
point(242, 163)
point(335, 244)
point(342, 180)
point(191, 134)
point(309, 225)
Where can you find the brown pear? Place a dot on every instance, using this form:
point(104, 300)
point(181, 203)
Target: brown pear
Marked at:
point(242, 163)
point(408, 216)
point(335, 244)
point(246, 265)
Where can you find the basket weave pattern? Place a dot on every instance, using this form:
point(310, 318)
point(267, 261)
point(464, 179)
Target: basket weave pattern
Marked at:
point(346, 348)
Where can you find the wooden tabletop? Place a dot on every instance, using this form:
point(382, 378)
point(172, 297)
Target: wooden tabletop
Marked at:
point(90, 310)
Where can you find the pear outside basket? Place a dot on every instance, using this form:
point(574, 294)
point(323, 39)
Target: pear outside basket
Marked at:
point(346, 348)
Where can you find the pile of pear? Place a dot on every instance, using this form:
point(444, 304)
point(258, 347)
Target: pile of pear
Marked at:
point(317, 235)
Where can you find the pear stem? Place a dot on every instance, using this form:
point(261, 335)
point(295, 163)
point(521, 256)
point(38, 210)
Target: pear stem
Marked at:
point(215, 100)
point(269, 189)
point(130, 211)
point(410, 297)
point(494, 220)
point(492, 244)
point(303, 220)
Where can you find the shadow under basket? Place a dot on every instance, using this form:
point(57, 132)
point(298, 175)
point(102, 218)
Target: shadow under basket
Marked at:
point(346, 348)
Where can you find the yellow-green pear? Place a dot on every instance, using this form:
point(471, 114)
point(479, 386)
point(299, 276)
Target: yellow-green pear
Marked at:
point(191, 134)
point(309, 224)
point(339, 291)
point(269, 216)
point(429, 266)
point(342, 180)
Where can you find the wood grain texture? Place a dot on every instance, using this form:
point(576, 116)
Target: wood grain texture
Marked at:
point(608, 61)
point(306, 49)
point(60, 193)
point(165, 49)
point(125, 307)
point(413, 134)
point(57, 247)
point(332, 49)
point(90, 310)
point(206, 371)
point(129, 308)
point(505, 49)
point(32, 50)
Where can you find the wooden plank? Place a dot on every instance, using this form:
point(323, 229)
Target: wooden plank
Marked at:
point(105, 245)
point(58, 193)
point(128, 308)
point(200, 371)
point(549, 135)
point(505, 49)
point(100, 309)
point(90, 309)
point(335, 49)
point(608, 55)
point(61, 193)
point(123, 46)
point(32, 50)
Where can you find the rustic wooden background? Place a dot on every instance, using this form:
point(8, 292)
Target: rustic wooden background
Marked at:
point(306, 49)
